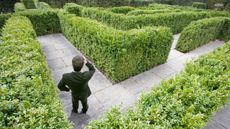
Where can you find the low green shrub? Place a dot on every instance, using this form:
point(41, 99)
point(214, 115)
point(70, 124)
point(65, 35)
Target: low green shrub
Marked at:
point(201, 32)
point(227, 7)
point(19, 7)
point(28, 97)
point(29, 4)
point(141, 12)
point(74, 8)
point(199, 5)
point(113, 50)
point(175, 20)
point(186, 101)
point(44, 21)
point(43, 5)
point(122, 10)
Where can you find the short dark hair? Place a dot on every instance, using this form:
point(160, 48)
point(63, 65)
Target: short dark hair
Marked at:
point(77, 62)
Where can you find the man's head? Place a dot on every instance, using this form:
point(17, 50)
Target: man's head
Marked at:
point(77, 62)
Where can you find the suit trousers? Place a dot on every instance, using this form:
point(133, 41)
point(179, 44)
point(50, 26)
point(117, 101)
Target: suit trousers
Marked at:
point(75, 103)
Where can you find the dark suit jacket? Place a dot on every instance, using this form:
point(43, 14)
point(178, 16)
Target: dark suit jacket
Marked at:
point(77, 82)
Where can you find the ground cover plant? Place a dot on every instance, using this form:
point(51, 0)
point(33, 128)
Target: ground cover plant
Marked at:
point(185, 101)
point(113, 50)
point(175, 20)
point(202, 32)
point(28, 95)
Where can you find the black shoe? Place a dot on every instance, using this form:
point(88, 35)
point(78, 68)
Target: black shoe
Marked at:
point(82, 112)
point(74, 111)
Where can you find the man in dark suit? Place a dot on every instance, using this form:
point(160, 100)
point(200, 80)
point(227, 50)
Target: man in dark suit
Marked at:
point(77, 82)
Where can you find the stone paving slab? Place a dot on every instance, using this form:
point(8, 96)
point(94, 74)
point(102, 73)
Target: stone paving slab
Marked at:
point(59, 53)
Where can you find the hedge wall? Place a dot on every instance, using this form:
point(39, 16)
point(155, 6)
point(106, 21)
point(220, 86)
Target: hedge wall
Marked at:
point(141, 12)
point(19, 7)
point(122, 9)
point(29, 4)
point(202, 32)
point(186, 101)
point(176, 21)
point(28, 95)
point(44, 21)
point(113, 50)
point(199, 5)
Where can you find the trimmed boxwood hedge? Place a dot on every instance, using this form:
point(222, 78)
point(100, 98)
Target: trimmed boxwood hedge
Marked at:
point(44, 21)
point(199, 5)
point(29, 4)
point(141, 12)
point(185, 101)
point(19, 6)
point(28, 95)
point(175, 20)
point(122, 9)
point(113, 50)
point(42, 5)
point(202, 32)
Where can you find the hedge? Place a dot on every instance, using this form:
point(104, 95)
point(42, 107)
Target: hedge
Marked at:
point(44, 21)
point(113, 50)
point(141, 12)
point(28, 95)
point(43, 5)
point(186, 101)
point(176, 21)
point(199, 5)
point(29, 4)
point(122, 10)
point(202, 32)
point(19, 7)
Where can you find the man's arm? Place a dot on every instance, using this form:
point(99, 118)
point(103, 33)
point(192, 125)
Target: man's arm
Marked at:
point(62, 85)
point(91, 71)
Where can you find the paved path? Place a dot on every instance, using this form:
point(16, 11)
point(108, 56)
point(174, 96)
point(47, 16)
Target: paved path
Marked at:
point(59, 53)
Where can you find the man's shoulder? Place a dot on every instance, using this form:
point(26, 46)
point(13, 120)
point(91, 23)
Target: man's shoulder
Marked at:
point(66, 75)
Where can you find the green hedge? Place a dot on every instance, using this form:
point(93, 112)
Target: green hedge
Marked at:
point(43, 5)
point(29, 4)
point(122, 9)
point(202, 32)
point(19, 7)
point(176, 21)
point(184, 102)
point(44, 21)
point(141, 12)
point(199, 5)
point(28, 94)
point(113, 50)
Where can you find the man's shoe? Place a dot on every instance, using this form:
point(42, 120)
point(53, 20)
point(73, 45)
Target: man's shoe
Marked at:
point(82, 112)
point(74, 111)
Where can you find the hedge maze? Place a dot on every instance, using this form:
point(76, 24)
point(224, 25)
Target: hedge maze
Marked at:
point(114, 38)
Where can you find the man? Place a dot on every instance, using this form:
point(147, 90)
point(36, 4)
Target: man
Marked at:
point(77, 82)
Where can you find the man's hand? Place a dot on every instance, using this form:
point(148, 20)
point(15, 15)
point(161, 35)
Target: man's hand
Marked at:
point(85, 60)
point(67, 90)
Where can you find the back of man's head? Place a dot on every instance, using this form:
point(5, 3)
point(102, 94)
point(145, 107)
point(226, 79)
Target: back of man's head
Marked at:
point(77, 62)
